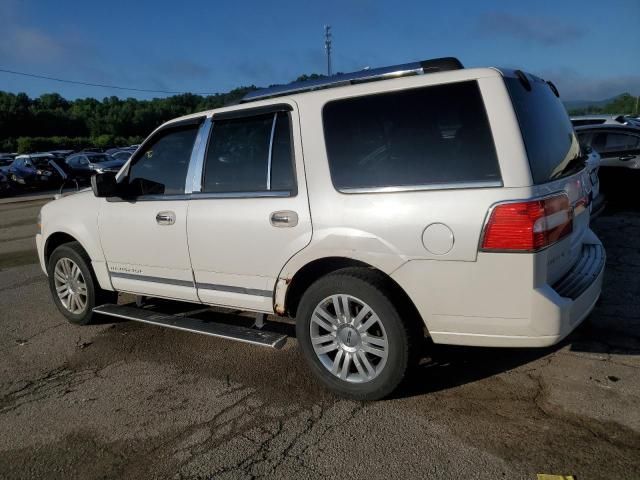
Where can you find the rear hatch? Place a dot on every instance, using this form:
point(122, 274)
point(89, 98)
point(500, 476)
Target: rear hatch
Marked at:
point(556, 160)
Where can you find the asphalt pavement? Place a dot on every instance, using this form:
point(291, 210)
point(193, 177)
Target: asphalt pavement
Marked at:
point(128, 400)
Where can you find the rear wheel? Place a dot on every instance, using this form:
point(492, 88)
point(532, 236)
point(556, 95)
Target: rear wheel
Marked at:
point(353, 336)
point(73, 285)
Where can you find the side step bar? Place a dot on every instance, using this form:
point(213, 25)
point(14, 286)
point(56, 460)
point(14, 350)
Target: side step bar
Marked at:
point(222, 330)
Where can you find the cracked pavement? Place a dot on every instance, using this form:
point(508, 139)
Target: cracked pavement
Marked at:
point(127, 400)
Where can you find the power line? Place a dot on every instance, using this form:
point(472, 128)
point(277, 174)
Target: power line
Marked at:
point(101, 85)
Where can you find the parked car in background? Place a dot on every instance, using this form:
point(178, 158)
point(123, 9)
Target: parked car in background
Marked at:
point(6, 187)
point(35, 171)
point(122, 155)
point(592, 185)
point(5, 163)
point(618, 145)
point(632, 120)
point(85, 164)
point(580, 120)
point(60, 153)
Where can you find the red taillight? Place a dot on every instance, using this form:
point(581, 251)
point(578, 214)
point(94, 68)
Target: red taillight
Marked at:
point(528, 226)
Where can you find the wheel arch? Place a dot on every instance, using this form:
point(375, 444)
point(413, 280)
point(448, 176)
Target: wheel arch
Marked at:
point(318, 268)
point(56, 239)
point(98, 267)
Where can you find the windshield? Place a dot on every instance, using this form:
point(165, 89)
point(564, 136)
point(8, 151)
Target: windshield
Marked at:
point(551, 143)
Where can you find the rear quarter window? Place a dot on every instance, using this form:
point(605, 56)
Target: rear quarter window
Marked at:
point(426, 136)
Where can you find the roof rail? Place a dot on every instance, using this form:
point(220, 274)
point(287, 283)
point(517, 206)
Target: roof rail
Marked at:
point(369, 75)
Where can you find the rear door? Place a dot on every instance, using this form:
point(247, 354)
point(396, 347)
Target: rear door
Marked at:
point(248, 212)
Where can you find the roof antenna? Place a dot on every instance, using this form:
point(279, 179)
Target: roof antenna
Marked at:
point(327, 47)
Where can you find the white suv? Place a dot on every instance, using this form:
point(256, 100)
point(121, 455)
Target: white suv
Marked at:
point(373, 207)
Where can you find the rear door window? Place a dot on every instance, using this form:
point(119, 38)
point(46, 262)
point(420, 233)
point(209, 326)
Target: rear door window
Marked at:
point(437, 135)
point(250, 154)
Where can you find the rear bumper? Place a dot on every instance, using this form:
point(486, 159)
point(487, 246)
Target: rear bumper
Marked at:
point(496, 304)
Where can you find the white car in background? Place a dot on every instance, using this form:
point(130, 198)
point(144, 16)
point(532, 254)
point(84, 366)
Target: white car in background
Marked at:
point(373, 207)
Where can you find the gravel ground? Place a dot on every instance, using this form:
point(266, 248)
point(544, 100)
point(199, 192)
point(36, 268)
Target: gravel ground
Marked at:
point(128, 400)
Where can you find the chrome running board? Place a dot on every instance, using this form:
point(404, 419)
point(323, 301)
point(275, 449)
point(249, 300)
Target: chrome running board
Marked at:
point(239, 333)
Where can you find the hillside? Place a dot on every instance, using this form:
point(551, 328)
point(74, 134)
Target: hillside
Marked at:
point(623, 103)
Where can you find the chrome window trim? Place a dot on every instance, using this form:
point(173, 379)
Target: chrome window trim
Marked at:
point(418, 188)
point(270, 156)
point(204, 196)
point(196, 164)
point(263, 193)
point(151, 198)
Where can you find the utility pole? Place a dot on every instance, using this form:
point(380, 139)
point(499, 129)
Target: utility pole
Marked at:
point(327, 47)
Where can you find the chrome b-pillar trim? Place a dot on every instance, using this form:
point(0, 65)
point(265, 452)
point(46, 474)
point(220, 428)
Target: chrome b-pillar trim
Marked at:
point(196, 163)
point(273, 130)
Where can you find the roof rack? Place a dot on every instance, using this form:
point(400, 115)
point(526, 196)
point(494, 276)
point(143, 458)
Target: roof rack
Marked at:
point(369, 75)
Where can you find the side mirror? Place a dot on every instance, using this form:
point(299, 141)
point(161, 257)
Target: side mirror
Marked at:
point(105, 185)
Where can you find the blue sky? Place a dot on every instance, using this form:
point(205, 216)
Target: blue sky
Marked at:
point(590, 49)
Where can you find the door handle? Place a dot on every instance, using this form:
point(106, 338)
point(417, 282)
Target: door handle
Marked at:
point(626, 158)
point(284, 218)
point(166, 218)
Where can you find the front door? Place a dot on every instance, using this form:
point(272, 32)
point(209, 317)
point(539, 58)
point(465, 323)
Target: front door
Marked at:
point(144, 235)
point(251, 213)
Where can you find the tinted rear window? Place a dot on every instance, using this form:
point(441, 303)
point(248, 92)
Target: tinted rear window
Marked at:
point(552, 146)
point(426, 136)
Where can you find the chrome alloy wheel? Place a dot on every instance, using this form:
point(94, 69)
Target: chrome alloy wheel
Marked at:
point(349, 338)
point(70, 285)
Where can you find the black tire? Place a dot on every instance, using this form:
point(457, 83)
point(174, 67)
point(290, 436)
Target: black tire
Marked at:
point(94, 294)
point(403, 335)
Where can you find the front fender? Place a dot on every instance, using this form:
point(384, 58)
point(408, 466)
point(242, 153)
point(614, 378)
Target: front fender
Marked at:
point(77, 216)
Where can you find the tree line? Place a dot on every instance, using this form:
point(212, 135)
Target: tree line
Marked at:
point(51, 122)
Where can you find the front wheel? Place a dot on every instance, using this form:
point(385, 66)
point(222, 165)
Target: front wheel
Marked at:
point(353, 336)
point(73, 285)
